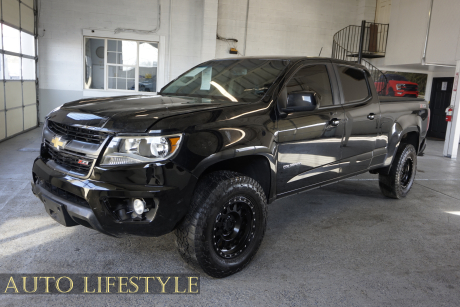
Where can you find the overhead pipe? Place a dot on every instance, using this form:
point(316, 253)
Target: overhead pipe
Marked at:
point(427, 33)
point(246, 30)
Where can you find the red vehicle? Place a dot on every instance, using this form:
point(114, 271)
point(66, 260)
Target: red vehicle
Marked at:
point(397, 86)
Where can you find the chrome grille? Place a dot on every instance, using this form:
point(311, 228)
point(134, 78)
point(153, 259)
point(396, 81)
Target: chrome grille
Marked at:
point(79, 134)
point(411, 87)
point(69, 160)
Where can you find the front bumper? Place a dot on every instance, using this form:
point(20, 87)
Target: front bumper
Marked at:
point(74, 201)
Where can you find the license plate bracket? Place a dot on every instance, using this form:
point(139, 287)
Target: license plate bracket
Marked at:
point(58, 212)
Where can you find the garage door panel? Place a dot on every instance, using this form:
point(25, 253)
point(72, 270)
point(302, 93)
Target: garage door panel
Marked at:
point(30, 3)
point(30, 117)
point(13, 90)
point(29, 93)
point(14, 119)
point(18, 91)
point(2, 97)
point(1, 59)
point(2, 125)
point(27, 19)
point(11, 12)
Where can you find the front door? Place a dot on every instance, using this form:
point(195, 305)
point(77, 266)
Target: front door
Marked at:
point(441, 93)
point(309, 142)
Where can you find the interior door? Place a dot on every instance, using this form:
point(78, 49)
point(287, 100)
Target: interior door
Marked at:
point(309, 142)
point(362, 115)
point(441, 93)
point(382, 11)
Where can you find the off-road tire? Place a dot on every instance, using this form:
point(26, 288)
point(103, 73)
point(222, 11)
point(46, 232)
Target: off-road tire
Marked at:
point(396, 184)
point(195, 236)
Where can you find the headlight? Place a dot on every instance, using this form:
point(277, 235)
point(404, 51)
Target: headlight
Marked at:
point(400, 86)
point(132, 149)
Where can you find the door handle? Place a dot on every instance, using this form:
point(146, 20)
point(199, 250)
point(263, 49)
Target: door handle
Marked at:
point(335, 122)
point(371, 116)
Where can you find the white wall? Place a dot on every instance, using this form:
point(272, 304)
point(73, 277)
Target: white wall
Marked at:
point(188, 29)
point(61, 48)
point(407, 37)
point(60, 44)
point(290, 27)
point(444, 32)
point(408, 32)
point(366, 11)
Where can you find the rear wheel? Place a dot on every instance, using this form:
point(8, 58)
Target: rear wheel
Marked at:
point(225, 225)
point(400, 179)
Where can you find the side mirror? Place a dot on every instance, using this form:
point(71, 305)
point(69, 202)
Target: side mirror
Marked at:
point(301, 102)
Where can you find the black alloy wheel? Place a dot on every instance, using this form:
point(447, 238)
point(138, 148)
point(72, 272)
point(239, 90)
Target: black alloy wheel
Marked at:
point(400, 178)
point(406, 172)
point(225, 225)
point(234, 227)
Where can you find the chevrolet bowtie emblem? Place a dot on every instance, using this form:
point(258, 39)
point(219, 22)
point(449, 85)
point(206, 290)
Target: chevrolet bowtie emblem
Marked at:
point(58, 143)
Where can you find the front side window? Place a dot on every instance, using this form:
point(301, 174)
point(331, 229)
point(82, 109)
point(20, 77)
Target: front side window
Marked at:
point(312, 79)
point(354, 85)
point(120, 65)
point(235, 80)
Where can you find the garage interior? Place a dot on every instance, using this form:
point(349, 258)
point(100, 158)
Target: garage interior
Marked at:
point(344, 244)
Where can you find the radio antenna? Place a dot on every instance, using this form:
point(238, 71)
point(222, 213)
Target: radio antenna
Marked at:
point(320, 51)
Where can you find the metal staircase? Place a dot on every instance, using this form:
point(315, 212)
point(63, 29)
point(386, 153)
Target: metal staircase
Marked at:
point(357, 43)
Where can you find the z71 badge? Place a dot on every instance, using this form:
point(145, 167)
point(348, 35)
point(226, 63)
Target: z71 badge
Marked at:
point(84, 162)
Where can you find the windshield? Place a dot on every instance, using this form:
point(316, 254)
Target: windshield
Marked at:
point(244, 80)
point(396, 78)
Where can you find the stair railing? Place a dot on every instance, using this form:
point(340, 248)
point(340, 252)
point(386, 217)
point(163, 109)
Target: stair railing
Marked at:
point(355, 43)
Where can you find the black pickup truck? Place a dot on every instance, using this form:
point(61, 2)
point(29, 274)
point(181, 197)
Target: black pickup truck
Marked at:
point(219, 143)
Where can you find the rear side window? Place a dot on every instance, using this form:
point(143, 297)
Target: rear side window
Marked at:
point(312, 78)
point(354, 85)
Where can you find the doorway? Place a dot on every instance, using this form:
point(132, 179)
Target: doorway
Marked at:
point(441, 93)
point(382, 11)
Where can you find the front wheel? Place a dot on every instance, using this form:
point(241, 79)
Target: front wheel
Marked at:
point(400, 179)
point(225, 225)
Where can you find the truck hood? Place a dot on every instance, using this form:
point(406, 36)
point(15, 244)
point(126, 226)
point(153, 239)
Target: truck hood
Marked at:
point(130, 113)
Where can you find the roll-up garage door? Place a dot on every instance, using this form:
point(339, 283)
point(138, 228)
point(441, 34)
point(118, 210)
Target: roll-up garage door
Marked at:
point(18, 55)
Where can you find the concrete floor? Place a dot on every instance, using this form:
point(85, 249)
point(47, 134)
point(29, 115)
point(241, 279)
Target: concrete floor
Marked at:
point(342, 245)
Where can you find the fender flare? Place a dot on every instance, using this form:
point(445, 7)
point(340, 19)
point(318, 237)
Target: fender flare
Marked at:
point(394, 140)
point(229, 154)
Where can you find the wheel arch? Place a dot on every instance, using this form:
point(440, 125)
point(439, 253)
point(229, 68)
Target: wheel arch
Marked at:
point(399, 134)
point(259, 166)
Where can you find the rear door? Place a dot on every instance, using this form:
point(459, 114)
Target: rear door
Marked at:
point(309, 142)
point(362, 116)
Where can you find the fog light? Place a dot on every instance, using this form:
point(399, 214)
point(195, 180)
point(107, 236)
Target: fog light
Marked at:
point(139, 206)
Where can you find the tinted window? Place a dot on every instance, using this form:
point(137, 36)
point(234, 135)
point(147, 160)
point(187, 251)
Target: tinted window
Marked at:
point(354, 85)
point(315, 79)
